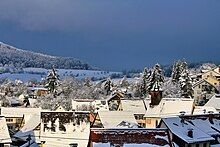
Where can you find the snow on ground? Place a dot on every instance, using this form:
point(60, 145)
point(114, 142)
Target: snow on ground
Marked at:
point(25, 77)
point(39, 73)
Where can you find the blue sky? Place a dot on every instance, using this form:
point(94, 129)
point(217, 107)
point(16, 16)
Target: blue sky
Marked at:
point(115, 34)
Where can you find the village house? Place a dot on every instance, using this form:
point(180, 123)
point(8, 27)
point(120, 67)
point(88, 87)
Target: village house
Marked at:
point(185, 134)
point(203, 110)
point(119, 128)
point(137, 107)
point(5, 139)
point(129, 137)
point(56, 128)
point(214, 102)
point(212, 74)
point(82, 104)
point(16, 117)
point(203, 91)
point(194, 130)
point(167, 107)
point(37, 91)
point(113, 119)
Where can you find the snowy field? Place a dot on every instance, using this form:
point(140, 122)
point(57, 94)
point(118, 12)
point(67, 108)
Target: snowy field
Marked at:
point(39, 73)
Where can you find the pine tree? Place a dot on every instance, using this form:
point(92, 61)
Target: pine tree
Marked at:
point(107, 86)
point(52, 81)
point(180, 75)
point(144, 81)
point(156, 79)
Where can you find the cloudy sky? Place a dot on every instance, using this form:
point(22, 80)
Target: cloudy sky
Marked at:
point(115, 34)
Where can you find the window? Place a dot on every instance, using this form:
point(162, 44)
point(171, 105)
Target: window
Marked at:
point(9, 120)
point(10, 127)
point(197, 145)
point(205, 144)
point(148, 121)
point(136, 117)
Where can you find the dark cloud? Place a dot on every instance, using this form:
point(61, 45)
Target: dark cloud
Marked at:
point(132, 32)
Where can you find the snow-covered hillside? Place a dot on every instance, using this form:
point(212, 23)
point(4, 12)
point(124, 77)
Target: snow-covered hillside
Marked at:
point(27, 74)
point(11, 56)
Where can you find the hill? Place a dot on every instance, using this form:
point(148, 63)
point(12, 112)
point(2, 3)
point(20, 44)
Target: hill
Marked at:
point(12, 56)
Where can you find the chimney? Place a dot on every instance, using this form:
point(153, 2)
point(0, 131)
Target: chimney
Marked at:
point(190, 133)
point(182, 113)
point(156, 97)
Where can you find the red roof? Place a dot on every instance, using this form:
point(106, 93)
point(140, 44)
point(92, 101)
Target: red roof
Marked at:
point(122, 136)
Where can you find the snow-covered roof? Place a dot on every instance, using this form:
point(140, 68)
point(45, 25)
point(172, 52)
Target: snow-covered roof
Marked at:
point(204, 124)
point(214, 102)
point(129, 137)
point(77, 104)
point(128, 145)
point(100, 105)
point(78, 134)
point(135, 106)
point(181, 129)
point(31, 122)
point(4, 134)
point(170, 107)
point(203, 110)
point(215, 145)
point(126, 124)
point(110, 119)
point(200, 82)
point(19, 112)
point(37, 88)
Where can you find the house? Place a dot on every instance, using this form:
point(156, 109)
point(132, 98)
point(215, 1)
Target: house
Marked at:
point(56, 128)
point(167, 107)
point(129, 137)
point(214, 102)
point(203, 91)
point(15, 117)
point(184, 133)
point(82, 104)
point(138, 107)
point(111, 119)
point(5, 139)
point(204, 110)
point(31, 129)
point(194, 130)
point(37, 91)
point(212, 76)
point(112, 103)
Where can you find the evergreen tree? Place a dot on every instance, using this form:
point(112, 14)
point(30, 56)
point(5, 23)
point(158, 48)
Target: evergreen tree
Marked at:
point(180, 75)
point(52, 81)
point(144, 81)
point(156, 79)
point(107, 86)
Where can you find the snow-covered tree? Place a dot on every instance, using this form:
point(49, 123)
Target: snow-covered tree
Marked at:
point(156, 79)
point(52, 81)
point(144, 81)
point(180, 75)
point(88, 82)
point(186, 84)
point(123, 82)
point(107, 86)
point(171, 89)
